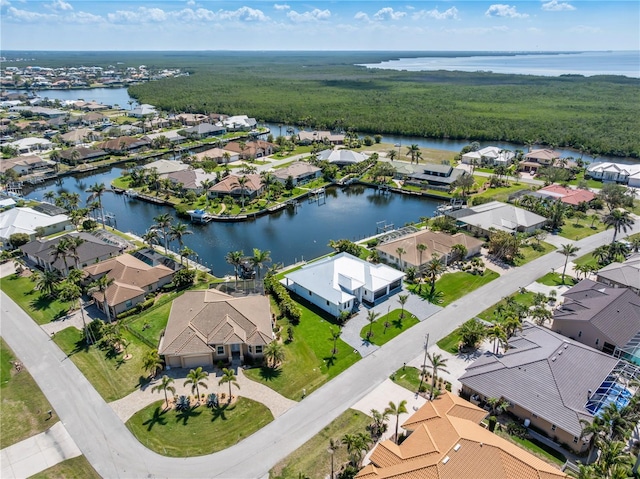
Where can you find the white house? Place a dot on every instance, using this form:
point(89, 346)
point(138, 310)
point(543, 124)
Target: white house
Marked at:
point(25, 146)
point(238, 122)
point(490, 155)
point(341, 156)
point(483, 218)
point(143, 110)
point(615, 172)
point(339, 283)
point(28, 220)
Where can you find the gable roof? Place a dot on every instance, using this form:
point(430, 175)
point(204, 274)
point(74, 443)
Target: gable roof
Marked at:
point(613, 311)
point(567, 195)
point(191, 179)
point(26, 220)
point(202, 319)
point(341, 156)
point(500, 216)
point(448, 443)
point(544, 373)
point(626, 273)
point(164, 167)
point(296, 169)
point(122, 142)
point(542, 154)
point(230, 184)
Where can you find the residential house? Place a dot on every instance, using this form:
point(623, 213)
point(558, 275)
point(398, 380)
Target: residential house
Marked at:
point(340, 283)
point(79, 136)
point(190, 119)
point(124, 130)
point(122, 144)
point(300, 172)
point(25, 165)
point(191, 179)
point(94, 118)
point(164, 167)
point(239, 123)
point(341, 156)
point(80, 154)
point(490, 156)
point(309, 137)
point(438, 244)
point(622, 275)
point(29, 221)
point(218, 155)
point(172, 135)
point(446, 441)
point(481, 219)
point(252, 149)
point(550, 382)
point(208, 326)
point(204, 130)
point(434, 175)
point(24, 146)
point(230, 185)
point(143, 110)
point(610, 172)
point(132, 279)
point(566, 195)
point(539, 158)
point(91, 250)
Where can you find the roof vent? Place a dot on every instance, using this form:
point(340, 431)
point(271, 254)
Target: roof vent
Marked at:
point(566, 345)
point(456, 447)
point(446, 459)
point(553, 359)
point(559, 352)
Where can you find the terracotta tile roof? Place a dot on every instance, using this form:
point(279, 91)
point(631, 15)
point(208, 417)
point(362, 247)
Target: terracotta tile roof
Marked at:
point(568, 195)
point(230, 184)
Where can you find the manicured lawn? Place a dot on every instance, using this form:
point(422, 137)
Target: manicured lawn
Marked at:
point(576, 231)
point(453, 286)
point(152, 323)
point(555, 279)
point(586, 259)
point(526, 299)
point(112, 377)
point(76, 468)
point(499, 194)
point(450, 342)
point(529, 253)
point(309, 361)
point(409, 378)
point(591, 183)
point(312, 459)
point(199, 430)
point(395, 326)
point(537, 449)
point(41, 309)
point(23, 407)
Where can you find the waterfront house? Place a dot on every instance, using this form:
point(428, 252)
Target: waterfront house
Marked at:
point(300, 172)
point(252, 149)
point(489, 156)
point(191, 179)
point(204, 130)
point(309, 137)
point(164, 167)
point(230, 186)
point(80, 154)
point(566, 195)
point(217, 154)
point(24, 146)
point(132, 279)
point(435, 175)
point(446, 441)
point(481, 219)
point(122, 144)
point(610, 172)
point(539, 158)
point(341, 282)
point(341, 156)
point(29, 221)
point(94, 118)
point(79, 136)
point(172, 136)
point(25, 165)
point(622, 275)
point(190, 119)
point(144, 110)
point(208, 326)
point(239, 123)
point(550, 382)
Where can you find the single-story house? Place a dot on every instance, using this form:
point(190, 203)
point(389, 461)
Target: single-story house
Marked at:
point(204, 130)
point(143, 110)
point(341, 156)
point(622, 275)
point(550, 381)
point(615, 172)
point(132, 278)
point(122, 144)
point(91, 250)
point(230, 185)
point(172, 135)
point(481, 219)
point(164, 167)
point(340, 283)
point(300, 171)
point(24, 146)
point(308, 137)
point(25, 165)
point(435, 175)
point(94, 118)
point(208, 326)
point(252, 149)
point(437, 244)
point(29, 221)
point(491, 155)
point(81, 135)
point(539, 158)
point(191, 180)
point(569, 196)
point(219, 155)
point(239, 122)
point(80, 154)
point(446, 441)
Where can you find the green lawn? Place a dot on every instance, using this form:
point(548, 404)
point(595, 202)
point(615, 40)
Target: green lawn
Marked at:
point(23, 407)
point(409, 378)
point(312, 459)
point(152, 323)
point(529, 253)
point(525, 299)
point(578, 230)
point(309, 361)
point(499, 194)
point(395, 326)
point(586, 259)
point(591, 183)
point(536, 448)
point(76, 468)
point(199, 430)
point(453, 286)
point(41, 309)
point(112, 377)
point(555, 279)
point(450, 342)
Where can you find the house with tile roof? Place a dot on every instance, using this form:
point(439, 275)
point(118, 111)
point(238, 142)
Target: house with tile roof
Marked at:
point(252, 149)
point(550, 381)
point(164, 167)
point(490, 155)
point(25, 165)
point(622, 275)
point(132, 279)
point(207, 326)
point(446, 441)
point(342, 156)
point(481, 219)
point(434, 175)
point(204, 130)
point(539, 158)
point(341, 282)
point(308, 137)
point(300, 172)
point(230, 185)
point(29, 221)
point(191, 179)
point(566, 195)
point(122, 144)
point(217, 154)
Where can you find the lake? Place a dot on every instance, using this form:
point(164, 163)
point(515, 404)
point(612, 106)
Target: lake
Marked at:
point(291, 236)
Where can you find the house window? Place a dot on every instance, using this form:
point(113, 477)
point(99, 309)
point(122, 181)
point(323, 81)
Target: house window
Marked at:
point(258, 349)
point(579, 334)
point(220, 350)
point(250, 349)
point(310, 293)
point(327, 303)
point(149, 288)
point(129, 303)
point(575, 440)
point(553, 427)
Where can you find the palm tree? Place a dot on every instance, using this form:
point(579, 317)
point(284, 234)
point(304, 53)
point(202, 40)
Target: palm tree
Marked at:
point(379, 425)
point(434, 269)
point(371, 317)
point(471, 333)
point(400, 252)
point(259, 259)
point(395, 410)
point(71, 292)
point(185, 252)
point(151, 237)
point(392, 154)
point(402, 299)
point(164, 386)
point(335, 335)
point(274, 353)
point(234, 258)
point(568, 250)
point(620, 220)
point(268, 179)
point(333, 447)
point(229, 376)
point(49, 196)
point(438, 364)
point(152, 362)
point(101, 284)
point(413, 152)
point(421, 247)
point(196, 378)
point(61, 250)
point(242, 181)
point(498, 335)
point(47, 282)
point(97, 190)
point(177, 232)
point(163, 223)
point(601, 253)
point(540, 315)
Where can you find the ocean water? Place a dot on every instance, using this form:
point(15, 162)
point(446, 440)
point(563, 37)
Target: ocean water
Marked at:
point(626, 63)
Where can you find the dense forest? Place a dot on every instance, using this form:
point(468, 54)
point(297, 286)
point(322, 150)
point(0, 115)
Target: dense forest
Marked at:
point(329, 90)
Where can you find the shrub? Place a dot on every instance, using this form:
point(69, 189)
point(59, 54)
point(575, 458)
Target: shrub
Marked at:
point(184, 278)
point(517, 430)
point(18, 239)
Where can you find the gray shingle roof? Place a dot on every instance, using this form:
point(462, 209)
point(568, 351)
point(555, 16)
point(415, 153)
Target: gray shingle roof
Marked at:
point(626, 274)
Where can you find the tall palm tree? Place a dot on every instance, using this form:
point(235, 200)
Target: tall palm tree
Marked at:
point(196, 378)
point(434, 269)
point(229, 376)
point(333, 447)
point(101, 284)
point(335, 335)
point(400, 252)
point(371, 317)
point(164, 386)
point(568, 250)
point(152, 362)
point(268, 179)
point(47, 282)
point(234, 258)
point(402, 299)
point(421, 247)
point(242, 181)
point(151, 237)
point(163, 223)
point(71, 292)
point(620, 220)
point(438, 364)
point(413, 151)
point(259, 259)
point(185, 252)
point(274, 353)
point(601, 253)
point(61, 250)
point(97, 190)
point(177, 232)
point(498, 335)
point(395, 410)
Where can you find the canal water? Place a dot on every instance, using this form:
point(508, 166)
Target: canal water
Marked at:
point(291, 235)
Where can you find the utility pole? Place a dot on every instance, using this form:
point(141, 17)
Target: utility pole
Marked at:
point(424, 361)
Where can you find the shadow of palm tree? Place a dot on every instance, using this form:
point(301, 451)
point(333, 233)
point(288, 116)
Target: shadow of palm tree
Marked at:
point(81, 346)
point(187, 414)
point(144, 382)
point(41, 303)
point(157, 418)
point(397, 323)
point(220, 412)
point(330, 360)
point(269, 374)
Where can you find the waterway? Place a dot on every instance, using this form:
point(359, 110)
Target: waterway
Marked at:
point(290, 235)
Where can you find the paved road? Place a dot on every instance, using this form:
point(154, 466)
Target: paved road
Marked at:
point(115, 453)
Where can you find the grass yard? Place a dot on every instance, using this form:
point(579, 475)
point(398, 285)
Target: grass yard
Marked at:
point(43, 310)
point(396, 325)
point(536, 448)
point(526, 299)
point(450, 342)
point(23, 407)
point(150, 324)
point(76, 468)
point(409, 378)
point(199, 430)
point(453, 286)
point(499, 194)
point(555, 279)
point(586, 259)
point(312, 459)
point(309, 361)
point(591, 183)
point(529, 253)
point(110, 375)
point(577, 231)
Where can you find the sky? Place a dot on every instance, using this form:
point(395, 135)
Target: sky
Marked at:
point(448, 25)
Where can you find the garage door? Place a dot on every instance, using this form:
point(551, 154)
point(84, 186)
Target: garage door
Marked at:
point(195, 361)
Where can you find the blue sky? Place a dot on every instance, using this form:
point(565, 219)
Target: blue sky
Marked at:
point(544, 25)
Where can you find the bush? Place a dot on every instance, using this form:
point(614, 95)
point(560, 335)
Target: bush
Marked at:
point(517, 430)
point(184, 278)
point(18, 239)
point(89, 225)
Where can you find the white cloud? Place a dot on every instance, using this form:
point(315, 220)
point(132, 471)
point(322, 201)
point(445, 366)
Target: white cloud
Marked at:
point(141, 15)
point(388, 13)
point(310, 16)
point(243, 14)
point(501, 10)
point(191, 3)
point(29, 17)
point(84, 17)
point(584, 29)
point(4, 3)
point(279, 6)
point(449, 14)
point(555, 6)
point(361, 16)
point(58, 6)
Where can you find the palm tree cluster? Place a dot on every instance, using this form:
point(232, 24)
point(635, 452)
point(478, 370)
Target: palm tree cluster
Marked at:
point(554, 211)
